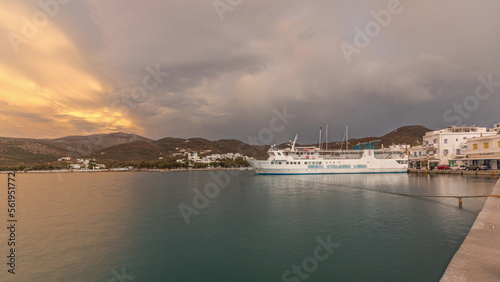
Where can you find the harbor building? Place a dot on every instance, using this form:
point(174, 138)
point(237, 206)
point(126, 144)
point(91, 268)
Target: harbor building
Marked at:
point(445, 146)
point(496, 128)
point(483, 151)
point(399, 147)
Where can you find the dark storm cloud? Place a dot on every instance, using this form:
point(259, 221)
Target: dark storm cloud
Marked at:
point(228, 74)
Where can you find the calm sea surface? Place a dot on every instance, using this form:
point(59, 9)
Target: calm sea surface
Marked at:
point(128, 226)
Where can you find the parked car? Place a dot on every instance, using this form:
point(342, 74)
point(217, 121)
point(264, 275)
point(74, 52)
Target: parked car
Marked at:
point(443, 167)
point(458, 167)
point(477, 167)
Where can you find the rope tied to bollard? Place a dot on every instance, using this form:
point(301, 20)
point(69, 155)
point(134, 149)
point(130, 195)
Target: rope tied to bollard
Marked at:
point(418, 196)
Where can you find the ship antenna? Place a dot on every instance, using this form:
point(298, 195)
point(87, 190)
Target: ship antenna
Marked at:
point(347, 137)
point(294, 141)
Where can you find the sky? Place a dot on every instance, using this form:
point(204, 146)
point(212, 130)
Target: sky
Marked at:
point(257, 71)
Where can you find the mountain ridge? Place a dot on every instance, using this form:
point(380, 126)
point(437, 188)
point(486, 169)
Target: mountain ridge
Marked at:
point(127, 147)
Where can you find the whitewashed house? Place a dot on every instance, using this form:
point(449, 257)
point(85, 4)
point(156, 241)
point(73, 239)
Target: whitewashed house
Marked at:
point(445, 146)
point(484, 150)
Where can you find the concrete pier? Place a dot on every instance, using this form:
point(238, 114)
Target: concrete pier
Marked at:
point(459, 172)
point(478, 258)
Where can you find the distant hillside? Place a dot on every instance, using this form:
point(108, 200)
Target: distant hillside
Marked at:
point(123, 147)
point(86, 145)
point(30, 151)
point(140, 151)
point(411, 135)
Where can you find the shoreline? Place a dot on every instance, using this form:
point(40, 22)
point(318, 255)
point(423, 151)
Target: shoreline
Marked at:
point(478, 257)
point(494, 173)
point(127, 170)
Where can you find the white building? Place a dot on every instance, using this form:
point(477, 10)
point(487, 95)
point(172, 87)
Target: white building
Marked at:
point(496, 128)
point(445, 146)
point(193, 156)
point(99, 166)
point(484, 150)
point(64, 159)
point(75, 166)
point(399, 147)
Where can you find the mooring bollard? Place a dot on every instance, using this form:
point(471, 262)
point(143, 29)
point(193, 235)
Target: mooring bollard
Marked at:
point(459, 200)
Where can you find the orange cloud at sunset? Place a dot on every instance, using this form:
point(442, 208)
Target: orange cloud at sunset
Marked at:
point(49, 88)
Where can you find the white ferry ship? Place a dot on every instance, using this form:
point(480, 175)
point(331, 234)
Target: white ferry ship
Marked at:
point(363, 158)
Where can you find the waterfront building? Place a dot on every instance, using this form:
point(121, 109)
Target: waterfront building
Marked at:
point(399, 147)
point(483, 151)
point(496, 128)
point(445, 146)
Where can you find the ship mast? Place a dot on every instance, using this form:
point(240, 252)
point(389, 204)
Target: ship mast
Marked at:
point(320, 137)
point(326, 138)
point(347, 137)
point(294, 141)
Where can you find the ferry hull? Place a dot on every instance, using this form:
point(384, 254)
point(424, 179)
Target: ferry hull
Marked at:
point(328, 171)
point(263, 167)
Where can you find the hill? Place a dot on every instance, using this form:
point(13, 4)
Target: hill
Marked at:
point(411, 135)
point(124, 147)
point(29, 151)
point(143, 151)
point(86, 145)
point(18, 151)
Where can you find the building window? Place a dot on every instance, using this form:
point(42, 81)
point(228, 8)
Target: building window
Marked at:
point(458, 151)
point(457, 139)
point(474, 146)
point(486, 145)
point(445, 141)
point(445, 152)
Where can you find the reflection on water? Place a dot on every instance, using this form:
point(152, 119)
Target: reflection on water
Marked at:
point(88, 227)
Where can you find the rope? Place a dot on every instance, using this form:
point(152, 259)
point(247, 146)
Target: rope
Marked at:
point(403, 194)
point(409, 195)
